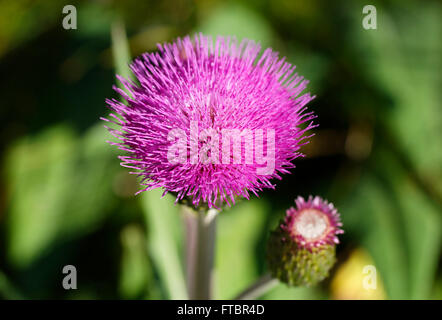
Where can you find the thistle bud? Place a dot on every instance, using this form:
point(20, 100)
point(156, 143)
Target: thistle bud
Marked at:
point(301, 251)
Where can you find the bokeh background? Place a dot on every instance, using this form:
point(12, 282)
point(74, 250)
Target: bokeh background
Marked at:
point(377, 154)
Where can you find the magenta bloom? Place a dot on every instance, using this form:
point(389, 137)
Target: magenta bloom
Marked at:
point(211, 121)
point(313, 223)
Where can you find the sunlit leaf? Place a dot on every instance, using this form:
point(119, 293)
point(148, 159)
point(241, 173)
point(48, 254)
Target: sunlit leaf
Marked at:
point(136, 271)
point(164, 244)
point(238, 233)
point(236, 20)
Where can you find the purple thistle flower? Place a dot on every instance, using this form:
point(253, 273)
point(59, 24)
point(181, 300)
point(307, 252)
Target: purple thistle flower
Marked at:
point(313, 223)
point(212, 86)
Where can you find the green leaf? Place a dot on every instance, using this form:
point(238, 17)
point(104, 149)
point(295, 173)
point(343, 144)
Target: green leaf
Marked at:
point(422, 225)
point(398, 225)
point(236, 20)
point(136, 270)
point(120, 49)
point(238, 233)
point(403, 60)
point(95, 167)
point(60, 186)
point(370, 211)
point(164, 232)
point(38, 172)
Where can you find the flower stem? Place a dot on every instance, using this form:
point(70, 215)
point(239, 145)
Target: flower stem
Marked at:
point(200, 245)
point(261, 286)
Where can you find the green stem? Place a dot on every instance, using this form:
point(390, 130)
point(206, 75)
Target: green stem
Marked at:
point(256, 290)
point(200, 244)
point(120, 49)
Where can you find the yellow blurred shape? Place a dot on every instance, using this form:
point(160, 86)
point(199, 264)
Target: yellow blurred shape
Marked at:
point(357, 279)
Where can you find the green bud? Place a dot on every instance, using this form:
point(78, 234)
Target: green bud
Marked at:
point(295, 265)
point(302, 250)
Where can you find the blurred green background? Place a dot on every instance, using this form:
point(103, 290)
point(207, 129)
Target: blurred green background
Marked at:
point(377, 154)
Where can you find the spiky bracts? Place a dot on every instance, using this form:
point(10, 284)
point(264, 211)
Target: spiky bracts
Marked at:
point(301, 251)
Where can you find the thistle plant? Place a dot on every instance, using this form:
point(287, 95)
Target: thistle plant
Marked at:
point(209, 122)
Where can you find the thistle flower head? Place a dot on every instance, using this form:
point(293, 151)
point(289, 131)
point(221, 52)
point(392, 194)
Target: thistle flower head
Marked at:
point(301, 251)
point(191, 100)
point(313, 223)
